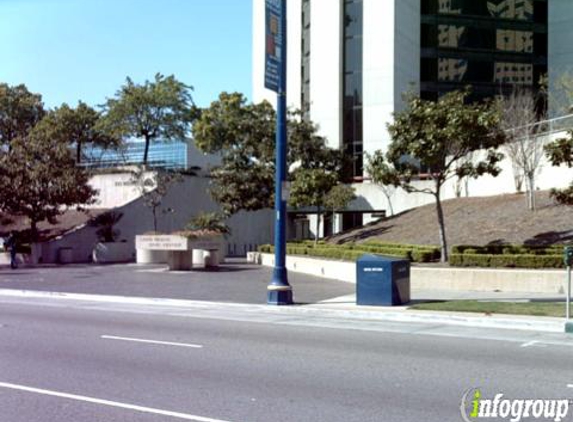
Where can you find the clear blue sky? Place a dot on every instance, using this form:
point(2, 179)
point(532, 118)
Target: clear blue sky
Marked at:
point(69, 50)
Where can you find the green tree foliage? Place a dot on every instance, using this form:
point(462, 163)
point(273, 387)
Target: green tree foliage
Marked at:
point(561, 152)
point(20, 110)
point(337, 199)
point(161, 109)
point(243, 135)
point(211, 221)
point(310, 189)
point(105, 223)
point(383, 174)
point(39, 180)
point(438, 135)
point(78, 126)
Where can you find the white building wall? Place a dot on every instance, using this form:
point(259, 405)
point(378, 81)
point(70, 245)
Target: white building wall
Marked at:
point(326, 68)
point(371, 197)
point(378, 71)
point(391, 64)
point(186, 199)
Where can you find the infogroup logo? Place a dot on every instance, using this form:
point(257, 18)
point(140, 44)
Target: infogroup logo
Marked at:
point(475, 407)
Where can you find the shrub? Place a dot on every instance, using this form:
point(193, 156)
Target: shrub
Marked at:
point(506, 261)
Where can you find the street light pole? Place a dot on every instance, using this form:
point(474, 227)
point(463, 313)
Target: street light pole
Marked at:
point(279, 291)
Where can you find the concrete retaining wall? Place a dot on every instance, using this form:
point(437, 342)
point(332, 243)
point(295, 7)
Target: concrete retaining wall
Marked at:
point(426, 278)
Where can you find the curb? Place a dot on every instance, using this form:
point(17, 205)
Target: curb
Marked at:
point(544, 324)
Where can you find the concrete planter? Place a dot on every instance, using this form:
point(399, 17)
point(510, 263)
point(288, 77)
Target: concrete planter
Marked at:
point(110, 252)
point(179, 252)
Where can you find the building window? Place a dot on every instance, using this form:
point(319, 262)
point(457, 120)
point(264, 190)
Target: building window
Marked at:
point(352, 106)
point(305, 59)
point(490, 44)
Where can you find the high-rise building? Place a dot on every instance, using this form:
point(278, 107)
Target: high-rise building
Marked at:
point(351, 61)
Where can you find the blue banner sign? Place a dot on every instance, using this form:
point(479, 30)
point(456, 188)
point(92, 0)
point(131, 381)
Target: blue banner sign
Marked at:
point(274, 43)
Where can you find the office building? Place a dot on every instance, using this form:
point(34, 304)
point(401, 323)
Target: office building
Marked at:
point(351, 61)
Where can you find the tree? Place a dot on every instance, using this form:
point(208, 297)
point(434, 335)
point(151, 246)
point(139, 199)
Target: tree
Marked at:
point(519, 118)
point(437, 135)
point(561, 152)
point(78, 126)
point(20, 110)
point(243, 135)
point(39, 180)
point(382, 174)
point(158, 110)
point(338, 199)
point(105, 226)
point(310, 188)
point(154, 186)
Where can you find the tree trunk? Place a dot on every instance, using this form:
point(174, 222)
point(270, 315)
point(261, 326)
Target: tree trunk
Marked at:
point(34, 230)
point(146, 150)
point(531, 182)
point(390, 204)
point(317, 234)
point(78, 152)
point(154, 210)
point(442, 225)
point(333, 221)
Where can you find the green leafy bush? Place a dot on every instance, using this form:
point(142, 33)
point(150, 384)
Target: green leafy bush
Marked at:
point(506, 261)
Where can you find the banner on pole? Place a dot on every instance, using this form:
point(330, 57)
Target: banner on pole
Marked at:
point(274, 43)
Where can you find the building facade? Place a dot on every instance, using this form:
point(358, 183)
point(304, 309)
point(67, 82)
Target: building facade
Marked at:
point(350, 62)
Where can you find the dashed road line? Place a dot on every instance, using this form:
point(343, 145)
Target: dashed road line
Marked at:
point(163, 343)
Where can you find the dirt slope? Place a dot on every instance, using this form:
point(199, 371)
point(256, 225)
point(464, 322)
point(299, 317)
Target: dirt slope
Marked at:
point(476, 221)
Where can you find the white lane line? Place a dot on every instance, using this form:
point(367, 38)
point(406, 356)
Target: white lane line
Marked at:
point(569, 385)
point(164, 343)
point(177, 415)
point(532, 343)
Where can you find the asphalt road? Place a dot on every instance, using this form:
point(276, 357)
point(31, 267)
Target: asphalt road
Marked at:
point(72, 361)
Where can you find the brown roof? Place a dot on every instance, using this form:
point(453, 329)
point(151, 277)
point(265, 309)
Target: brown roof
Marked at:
point(67, 221)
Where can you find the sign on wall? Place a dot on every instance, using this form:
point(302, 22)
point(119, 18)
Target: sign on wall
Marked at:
point(274, 40)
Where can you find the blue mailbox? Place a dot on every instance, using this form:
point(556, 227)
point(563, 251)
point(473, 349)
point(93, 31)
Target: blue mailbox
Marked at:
point(382, 281)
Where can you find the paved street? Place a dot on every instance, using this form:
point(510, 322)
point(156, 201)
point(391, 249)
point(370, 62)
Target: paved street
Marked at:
point(83, 361)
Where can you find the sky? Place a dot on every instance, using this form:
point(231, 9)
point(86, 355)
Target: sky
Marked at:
point(71, 50)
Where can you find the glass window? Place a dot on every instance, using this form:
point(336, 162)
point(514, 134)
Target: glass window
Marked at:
point(515, 41)
point(353, 54)
point(452, 70)
point(353, 18)
point(513, 73)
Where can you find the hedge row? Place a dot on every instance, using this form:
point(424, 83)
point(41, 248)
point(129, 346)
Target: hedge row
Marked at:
point(353, 251)
point(508, 250)
point(508, 261)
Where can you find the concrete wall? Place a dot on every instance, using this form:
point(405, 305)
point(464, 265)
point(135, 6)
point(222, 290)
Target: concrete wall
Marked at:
point(187, 199)
point(371, 196)
point(445, 279)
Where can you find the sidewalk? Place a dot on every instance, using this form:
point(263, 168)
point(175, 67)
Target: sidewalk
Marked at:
point(244, 286)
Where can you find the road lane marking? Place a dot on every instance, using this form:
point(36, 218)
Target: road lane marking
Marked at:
point(533, 343)
point(164, 343)
point(569, 385)
point(109, 403)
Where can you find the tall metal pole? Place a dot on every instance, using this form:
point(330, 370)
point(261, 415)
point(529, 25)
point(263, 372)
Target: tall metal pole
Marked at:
point(568, 301)
point(279, 291)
